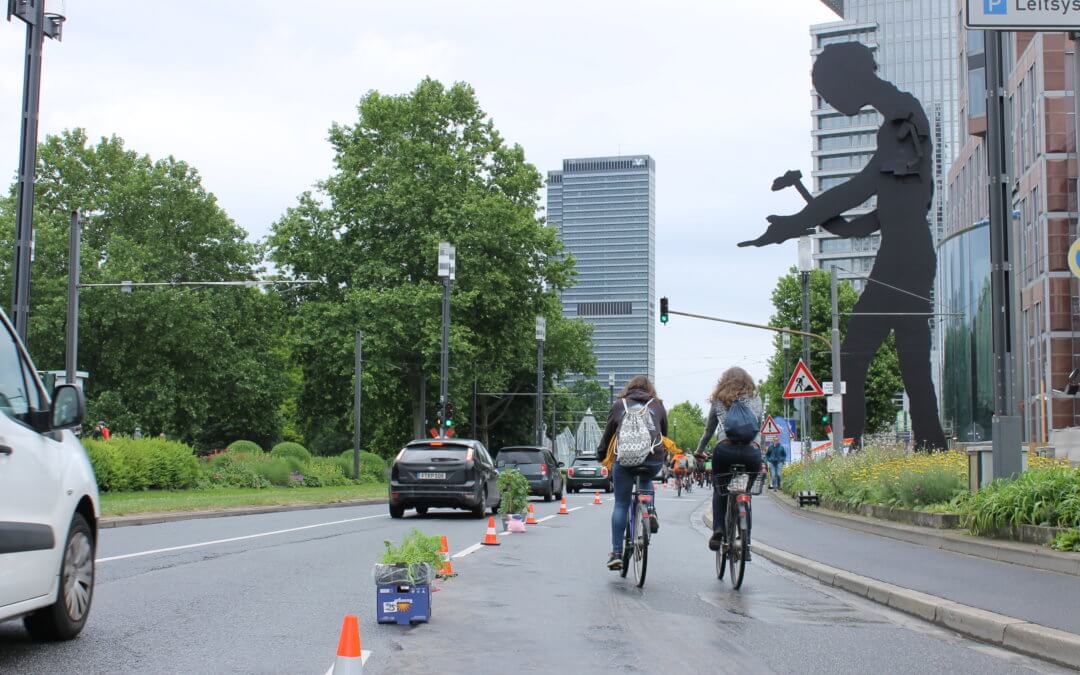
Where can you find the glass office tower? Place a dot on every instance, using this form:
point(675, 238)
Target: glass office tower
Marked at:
point(604, 210)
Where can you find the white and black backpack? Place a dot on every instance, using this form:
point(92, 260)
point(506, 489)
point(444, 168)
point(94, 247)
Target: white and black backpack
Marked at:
point(637, 435)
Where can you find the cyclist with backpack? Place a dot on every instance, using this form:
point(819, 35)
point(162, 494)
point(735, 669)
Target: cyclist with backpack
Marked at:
point(637, 424)
point(736, 411)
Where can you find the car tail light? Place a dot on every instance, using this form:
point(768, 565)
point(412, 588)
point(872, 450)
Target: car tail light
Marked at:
point(543, 469)
point(603, 472)
point(398, 458)
point(570, 472)
point(469, 455)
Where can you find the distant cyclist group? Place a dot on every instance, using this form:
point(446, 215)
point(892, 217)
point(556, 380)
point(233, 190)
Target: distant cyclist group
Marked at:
point(635, 444)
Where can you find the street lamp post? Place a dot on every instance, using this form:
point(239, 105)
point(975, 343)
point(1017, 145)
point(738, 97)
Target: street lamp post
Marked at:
point(541, 335)
point(71, 360)
point(611, 389)
point(783, 378)
point(39, 25)
point(447, 272)
point(359, 371)
point(806, 264)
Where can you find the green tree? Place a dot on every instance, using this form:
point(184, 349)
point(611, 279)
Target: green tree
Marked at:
point(414, 170)
point(686, 422)
point(574, 400)
point(200, 365)
point(883, 379)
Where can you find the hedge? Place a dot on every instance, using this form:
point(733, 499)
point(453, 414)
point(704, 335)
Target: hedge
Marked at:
point(372, 467)
point(143, 464)
point(244, 446)
point(289, 449)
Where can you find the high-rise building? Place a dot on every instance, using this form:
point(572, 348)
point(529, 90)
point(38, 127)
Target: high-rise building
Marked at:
point(604, 210)
point(1042, 170)
point(914, 43)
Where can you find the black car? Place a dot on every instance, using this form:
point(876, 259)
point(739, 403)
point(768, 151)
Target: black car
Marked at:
point(586, 473)
point(444, 472)
point(538, 466)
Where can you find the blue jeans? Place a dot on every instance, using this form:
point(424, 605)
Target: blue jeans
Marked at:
point(624, 486)
point(775, 468)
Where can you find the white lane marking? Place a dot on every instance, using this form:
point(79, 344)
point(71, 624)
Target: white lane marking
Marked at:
point(503, 533)
point(232, 539)
point(472, 549)
point(544, 518)
point(575, 509)
point(364, 656)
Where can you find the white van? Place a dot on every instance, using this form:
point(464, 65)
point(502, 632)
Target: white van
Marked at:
point(48, 500)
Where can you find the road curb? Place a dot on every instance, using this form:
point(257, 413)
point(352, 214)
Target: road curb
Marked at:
point(1015, 553)
point(1043, 642)
point(109, 522)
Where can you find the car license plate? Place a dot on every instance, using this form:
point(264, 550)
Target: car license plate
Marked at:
point(431, 476)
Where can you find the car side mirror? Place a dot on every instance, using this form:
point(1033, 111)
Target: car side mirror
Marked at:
point(68, 407)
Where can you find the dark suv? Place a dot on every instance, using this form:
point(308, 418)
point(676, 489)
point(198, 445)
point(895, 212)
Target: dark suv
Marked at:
point(444, 472)
point(538, 466)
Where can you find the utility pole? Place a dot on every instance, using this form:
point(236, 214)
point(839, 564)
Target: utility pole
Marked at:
point(541, 335)
point(447, 255)
point(838, 386)
point(71, 359)
point(806, 263)
point(472, 409)
point(39, 25)
point(1006, 424)
point(359, 371)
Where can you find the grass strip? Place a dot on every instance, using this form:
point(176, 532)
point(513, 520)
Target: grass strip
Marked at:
point(166, 501)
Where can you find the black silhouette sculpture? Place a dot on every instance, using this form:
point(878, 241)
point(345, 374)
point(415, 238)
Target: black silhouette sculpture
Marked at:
point(900, 175)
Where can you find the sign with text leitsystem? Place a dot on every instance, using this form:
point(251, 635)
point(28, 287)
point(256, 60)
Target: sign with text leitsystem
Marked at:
point(1019, 15)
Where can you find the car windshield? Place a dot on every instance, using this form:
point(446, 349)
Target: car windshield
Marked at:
point(585, 461)
point(519, 457)
point(434, 453)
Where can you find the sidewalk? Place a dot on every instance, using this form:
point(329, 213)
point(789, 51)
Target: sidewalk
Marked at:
point(1038, 596)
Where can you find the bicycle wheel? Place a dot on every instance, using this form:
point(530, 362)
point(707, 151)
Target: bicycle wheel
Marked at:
point(678, 487)
point(628, 543)
point(737, 557)
point(721, 563)
point(640, 560)
point(689, 486)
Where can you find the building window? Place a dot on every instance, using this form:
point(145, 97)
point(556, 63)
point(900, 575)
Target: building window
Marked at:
point(593, 309)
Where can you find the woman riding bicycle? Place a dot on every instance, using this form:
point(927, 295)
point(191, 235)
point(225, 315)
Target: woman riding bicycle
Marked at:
point(736, 389)
point(639, 393)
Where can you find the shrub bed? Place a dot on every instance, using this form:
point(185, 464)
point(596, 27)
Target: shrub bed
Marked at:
point(289, 449)
point(1047, 495)
point(372, 467)
point(245, 446)
point(142, 464)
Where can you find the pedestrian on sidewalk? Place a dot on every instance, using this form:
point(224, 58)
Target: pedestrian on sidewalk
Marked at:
point(776, 456)
point(645, 423)
point(736, 396)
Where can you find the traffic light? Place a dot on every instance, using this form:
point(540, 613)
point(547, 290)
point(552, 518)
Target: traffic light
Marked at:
point(824, 419)
point(449, 415)
point(663, 310)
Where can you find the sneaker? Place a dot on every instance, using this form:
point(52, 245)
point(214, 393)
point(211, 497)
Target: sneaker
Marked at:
point(654, 522)
point(716, 541)
point(614, 562)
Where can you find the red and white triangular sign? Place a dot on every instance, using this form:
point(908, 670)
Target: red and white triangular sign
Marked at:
point(770, 427)
point(802, 384)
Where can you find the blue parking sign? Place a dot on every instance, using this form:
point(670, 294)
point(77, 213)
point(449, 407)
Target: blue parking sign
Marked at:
point(995, 7)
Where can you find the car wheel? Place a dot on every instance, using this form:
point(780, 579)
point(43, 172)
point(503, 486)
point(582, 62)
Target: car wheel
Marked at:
point(495, 509)
point(397, 511)
point(421, 510)
point(548, 496)
point(66, 617)
point(480, 509)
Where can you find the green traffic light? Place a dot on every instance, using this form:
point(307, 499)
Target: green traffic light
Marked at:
point(449, 424)
point(663, 310)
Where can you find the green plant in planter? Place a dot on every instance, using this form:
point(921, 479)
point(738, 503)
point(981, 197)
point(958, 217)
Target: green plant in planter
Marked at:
point(514, 488)
point(414, 561)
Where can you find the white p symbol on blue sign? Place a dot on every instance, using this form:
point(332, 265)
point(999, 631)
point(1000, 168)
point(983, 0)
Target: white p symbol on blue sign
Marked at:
point(995, 7)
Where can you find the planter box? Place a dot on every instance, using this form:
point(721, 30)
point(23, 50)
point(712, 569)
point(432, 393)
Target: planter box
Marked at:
point(403, 604)
point(1031, 534)
point(938, 521)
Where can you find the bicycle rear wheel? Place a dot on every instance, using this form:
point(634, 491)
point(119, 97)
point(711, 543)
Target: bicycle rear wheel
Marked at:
point(721, 563)
point(628, 543)
point(640, 558)
point(737, 555)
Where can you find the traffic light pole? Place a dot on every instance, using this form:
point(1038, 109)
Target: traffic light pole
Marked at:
point(539, 392)
point(838, 387)
point(445, 367)
point(805, 403)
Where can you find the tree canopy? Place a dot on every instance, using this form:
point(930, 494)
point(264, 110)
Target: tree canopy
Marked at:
point(414, 170)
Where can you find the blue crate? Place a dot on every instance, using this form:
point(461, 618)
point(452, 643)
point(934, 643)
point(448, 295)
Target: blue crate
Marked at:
point(403, 604)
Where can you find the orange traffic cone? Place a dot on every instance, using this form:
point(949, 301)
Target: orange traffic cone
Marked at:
point(596, 500)
point(349, 660)
point(490, 538)
point(562, 508)
point(531, 520)
point(447, 566)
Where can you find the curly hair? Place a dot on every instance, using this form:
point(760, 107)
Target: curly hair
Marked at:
point(735, 382)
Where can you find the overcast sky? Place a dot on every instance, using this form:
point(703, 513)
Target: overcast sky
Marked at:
point(245, 90)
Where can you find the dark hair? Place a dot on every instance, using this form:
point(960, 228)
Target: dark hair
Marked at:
point(639, 382)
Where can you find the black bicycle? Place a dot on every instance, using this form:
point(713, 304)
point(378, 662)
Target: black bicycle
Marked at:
point(739, 485)
point(635, 552)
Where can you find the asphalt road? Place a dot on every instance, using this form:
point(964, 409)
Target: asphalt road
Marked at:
point(266, 593)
